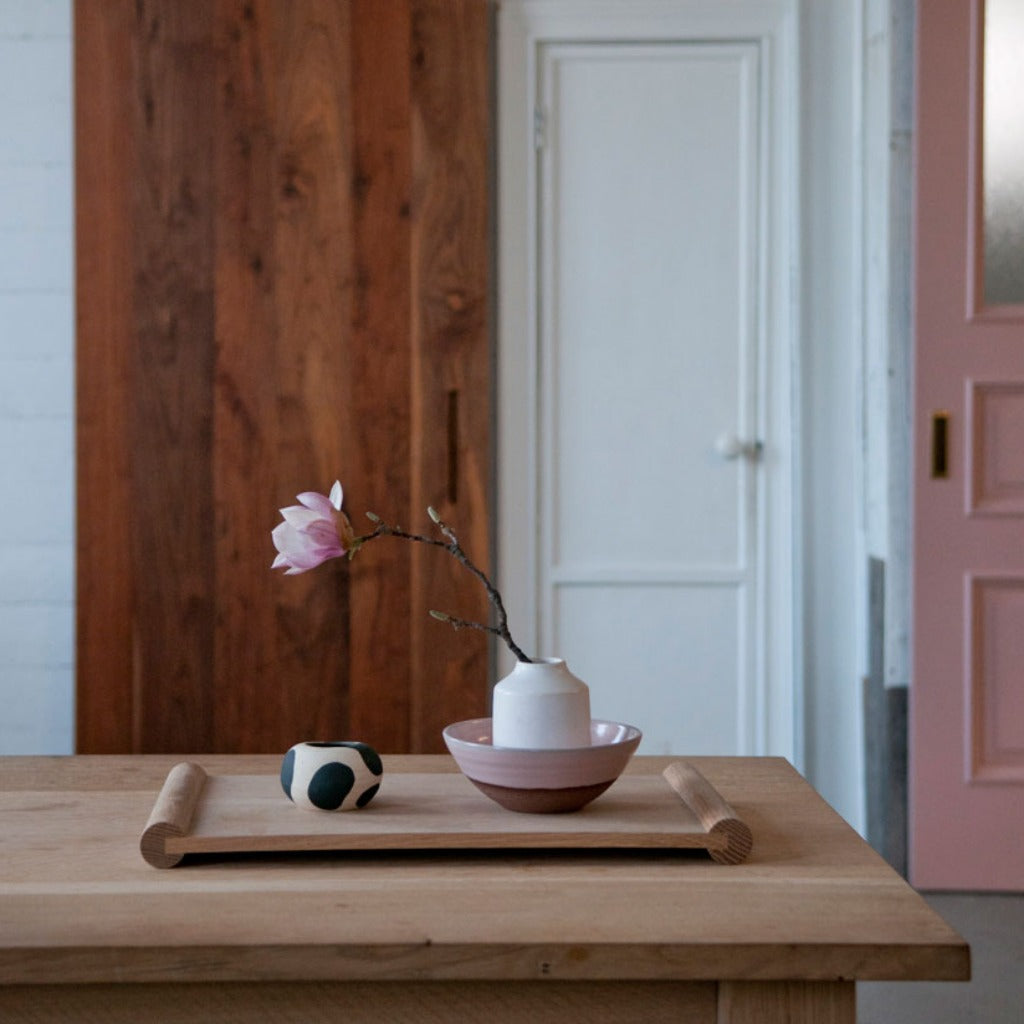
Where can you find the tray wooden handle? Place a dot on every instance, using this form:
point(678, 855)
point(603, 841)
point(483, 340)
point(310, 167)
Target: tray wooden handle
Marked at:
point(730, 839)
point(172, 814)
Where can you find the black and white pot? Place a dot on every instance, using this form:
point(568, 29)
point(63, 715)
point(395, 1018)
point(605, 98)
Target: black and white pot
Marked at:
point(339, 776)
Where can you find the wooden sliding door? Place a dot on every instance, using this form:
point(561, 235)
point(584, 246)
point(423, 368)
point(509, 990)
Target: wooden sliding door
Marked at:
point(282, 261)
point(967, 698)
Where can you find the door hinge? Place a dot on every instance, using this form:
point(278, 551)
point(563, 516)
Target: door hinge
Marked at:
point(540, 126)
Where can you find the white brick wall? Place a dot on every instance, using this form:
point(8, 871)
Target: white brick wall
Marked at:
point(36, 379)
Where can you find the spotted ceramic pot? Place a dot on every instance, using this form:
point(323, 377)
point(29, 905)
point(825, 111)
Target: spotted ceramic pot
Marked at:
point(340, 776)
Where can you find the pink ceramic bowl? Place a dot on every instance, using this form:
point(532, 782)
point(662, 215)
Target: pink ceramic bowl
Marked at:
point(542, 781)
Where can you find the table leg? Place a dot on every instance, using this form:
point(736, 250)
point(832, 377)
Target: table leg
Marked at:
point(795, 1002)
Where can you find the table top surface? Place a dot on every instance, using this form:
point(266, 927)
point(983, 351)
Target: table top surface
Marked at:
point(78, 902)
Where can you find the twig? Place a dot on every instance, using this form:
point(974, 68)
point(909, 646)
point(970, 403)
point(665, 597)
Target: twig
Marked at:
point(452, 546)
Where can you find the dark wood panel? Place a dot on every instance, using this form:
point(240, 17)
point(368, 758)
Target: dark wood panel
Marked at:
point(263, 307)
point(105, 568)
point(247, 387)
point(378, 400)
point(283, 305)
point(452, 369)
point(170, 426)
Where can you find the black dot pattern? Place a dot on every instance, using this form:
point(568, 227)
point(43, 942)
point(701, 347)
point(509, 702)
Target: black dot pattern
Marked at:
point(346, 776)
point(287, 771)
point(330, 784)
point(366, 796)
point(370, 756)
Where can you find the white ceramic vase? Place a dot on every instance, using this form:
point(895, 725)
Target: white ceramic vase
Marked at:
point(541, 705)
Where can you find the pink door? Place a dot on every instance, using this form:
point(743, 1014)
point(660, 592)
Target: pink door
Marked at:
point(967, 699)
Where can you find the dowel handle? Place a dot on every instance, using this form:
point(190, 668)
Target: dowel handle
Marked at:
point(731, 839)
point(172, 814)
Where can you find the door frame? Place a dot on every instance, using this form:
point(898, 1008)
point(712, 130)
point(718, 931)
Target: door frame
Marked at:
point(525, 26)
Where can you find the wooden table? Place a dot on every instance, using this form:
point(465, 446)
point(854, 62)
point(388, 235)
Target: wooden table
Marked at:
point(89, 931)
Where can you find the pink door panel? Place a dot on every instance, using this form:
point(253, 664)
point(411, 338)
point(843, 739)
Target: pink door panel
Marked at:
point(967, 696)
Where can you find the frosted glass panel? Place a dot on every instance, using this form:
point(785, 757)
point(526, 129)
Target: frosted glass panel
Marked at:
point(1004, 152)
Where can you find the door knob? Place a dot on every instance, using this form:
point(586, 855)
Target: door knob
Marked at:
point(729, 446)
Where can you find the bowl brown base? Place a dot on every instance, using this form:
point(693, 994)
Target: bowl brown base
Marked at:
point(542, 801)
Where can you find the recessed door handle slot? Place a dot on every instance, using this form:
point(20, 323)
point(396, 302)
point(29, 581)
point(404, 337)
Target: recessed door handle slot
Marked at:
point(453, 448)
point(940, 445)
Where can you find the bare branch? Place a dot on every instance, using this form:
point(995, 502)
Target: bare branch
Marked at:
point(452, 546)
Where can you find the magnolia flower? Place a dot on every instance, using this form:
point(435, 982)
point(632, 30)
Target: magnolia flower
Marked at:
point(317, 530)
point(313, 532)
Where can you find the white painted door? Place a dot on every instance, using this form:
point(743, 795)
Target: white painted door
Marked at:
point(654, 391)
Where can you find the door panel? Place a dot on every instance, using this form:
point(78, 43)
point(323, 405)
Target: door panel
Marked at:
point(650, 181)
point(282, 265)
point(967, 698)
point(645, 669)
point(651, 341)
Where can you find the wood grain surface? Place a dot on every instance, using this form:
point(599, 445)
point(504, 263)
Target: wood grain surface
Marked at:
point(170, 377)
point(282, 279)
point(451, 383)
point(173, 813)
point(378, 407)
point(796, 1002)
point(356, 1003)
point(730, 838)
point(198, 812)
point(813, 902)
point(103, 77)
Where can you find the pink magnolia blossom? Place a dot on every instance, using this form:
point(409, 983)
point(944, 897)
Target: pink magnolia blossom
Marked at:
point(312, 532)
point(317, 530)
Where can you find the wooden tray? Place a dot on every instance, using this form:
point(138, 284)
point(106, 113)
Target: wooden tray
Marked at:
point(200, 813)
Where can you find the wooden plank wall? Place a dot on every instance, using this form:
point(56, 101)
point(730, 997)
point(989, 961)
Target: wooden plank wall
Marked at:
point(282, 278)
